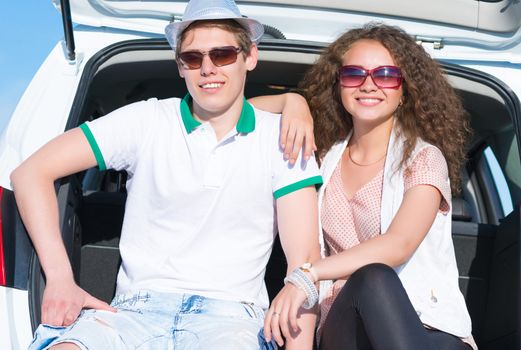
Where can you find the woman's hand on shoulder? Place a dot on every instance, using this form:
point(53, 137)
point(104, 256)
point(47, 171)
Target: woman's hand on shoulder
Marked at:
point(297, 123)
point(297, 128)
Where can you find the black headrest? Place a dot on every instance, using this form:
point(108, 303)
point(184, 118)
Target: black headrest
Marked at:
point(461, 210)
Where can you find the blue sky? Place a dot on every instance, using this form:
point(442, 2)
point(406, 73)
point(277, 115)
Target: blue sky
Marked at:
point(29, 30)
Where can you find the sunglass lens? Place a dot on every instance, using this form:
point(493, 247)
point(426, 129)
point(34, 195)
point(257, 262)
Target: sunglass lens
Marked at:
point(352, 76)
point(387, 77)
point(192, 59)
point(223, 56)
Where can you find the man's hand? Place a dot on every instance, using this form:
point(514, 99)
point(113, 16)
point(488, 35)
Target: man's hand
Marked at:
point(282, 317)
point(63, 301)
point(296, 128)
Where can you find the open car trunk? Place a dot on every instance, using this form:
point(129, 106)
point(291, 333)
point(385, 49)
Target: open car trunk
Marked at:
point(487, 245)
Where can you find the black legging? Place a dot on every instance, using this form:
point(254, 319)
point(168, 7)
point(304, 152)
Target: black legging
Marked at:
point(373, 312)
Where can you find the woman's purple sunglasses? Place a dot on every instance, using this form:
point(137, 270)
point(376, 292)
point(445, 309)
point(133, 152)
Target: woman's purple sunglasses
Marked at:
point(384, 77)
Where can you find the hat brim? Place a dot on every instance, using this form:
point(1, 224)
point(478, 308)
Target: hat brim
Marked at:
point(173, 30)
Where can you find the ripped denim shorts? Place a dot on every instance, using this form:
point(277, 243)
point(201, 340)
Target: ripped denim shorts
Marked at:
point(151, 320)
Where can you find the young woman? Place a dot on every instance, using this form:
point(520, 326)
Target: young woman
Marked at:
point(390, 133)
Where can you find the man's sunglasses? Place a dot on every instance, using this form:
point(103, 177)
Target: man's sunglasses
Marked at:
point(220, 56)
point(384, 77)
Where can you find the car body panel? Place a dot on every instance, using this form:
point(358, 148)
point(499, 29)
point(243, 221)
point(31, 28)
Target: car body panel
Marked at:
point(15, 321)
point(494, 22)
point(495, 16)
point(54, 84)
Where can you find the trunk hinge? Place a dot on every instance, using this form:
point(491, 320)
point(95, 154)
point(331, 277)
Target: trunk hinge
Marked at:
point(67, 29)
point(437, 43)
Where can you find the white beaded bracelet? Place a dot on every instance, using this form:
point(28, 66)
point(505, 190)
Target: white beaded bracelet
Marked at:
point(300, 279)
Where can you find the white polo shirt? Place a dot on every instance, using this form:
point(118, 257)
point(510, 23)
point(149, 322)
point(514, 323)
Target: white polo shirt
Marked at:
point(200, 214)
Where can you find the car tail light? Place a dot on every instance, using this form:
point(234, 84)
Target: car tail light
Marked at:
point(2, 264)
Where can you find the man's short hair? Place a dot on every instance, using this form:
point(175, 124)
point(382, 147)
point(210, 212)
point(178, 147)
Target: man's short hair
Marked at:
point(241, 34)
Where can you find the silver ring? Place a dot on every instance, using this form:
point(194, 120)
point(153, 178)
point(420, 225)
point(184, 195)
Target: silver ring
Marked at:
point(275, 314)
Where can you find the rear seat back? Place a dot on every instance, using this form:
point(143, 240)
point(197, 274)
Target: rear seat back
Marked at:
point(473, 245)
point(502, 315)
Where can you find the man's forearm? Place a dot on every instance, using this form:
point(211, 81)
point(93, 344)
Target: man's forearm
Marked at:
point(36, 201)
point(298, 228)
point(33, 186)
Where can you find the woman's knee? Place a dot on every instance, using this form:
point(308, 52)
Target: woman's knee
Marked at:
point(373, 278)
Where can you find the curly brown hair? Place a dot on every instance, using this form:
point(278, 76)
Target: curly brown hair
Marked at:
point(431, 110)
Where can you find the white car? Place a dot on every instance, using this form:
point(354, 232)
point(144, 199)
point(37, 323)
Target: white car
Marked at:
point(117, 54)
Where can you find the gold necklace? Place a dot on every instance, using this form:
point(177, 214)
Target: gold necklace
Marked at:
point(360, 164)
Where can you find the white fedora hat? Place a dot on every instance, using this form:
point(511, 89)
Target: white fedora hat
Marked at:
point(198, 10)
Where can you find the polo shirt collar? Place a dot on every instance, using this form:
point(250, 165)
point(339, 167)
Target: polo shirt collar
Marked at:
point(245, 124)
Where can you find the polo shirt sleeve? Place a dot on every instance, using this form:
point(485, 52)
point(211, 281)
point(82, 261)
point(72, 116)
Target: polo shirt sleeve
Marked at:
point(289, 178)
point(117, 137)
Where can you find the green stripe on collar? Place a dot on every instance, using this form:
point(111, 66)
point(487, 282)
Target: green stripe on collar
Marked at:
point(246, 123)
point(188, 119)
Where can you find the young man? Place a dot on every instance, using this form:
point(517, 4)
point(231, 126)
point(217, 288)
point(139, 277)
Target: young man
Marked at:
point(206, 175)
